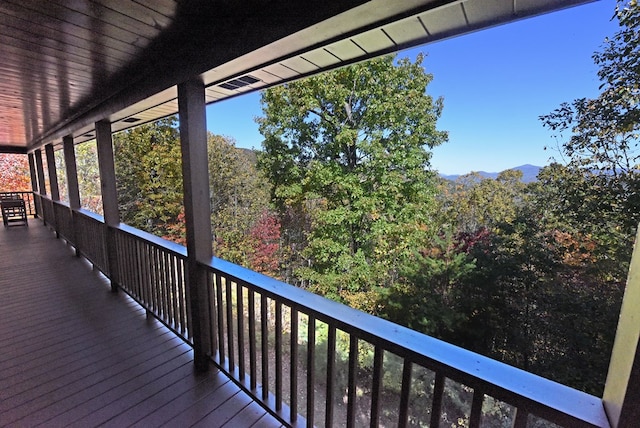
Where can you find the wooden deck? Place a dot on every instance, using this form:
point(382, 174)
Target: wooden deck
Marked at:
point(74, 354)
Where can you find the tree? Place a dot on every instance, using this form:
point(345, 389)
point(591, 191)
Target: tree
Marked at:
point(89, 176)
point(473, 203)
point(149, 178)
point(346, 153)
point(604, 138)
point(244, 232)
point(592, 203)
point(14, 173)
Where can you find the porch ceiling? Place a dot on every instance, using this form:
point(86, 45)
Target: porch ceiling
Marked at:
point(67, 64)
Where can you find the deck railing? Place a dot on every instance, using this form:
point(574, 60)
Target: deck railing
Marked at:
point(152, 271)
point(311, 361)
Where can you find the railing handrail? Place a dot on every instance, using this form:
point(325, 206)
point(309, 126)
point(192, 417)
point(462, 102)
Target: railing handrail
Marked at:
point(91, 214)
point(497, 379)
point(16, 191)
point(161, 243)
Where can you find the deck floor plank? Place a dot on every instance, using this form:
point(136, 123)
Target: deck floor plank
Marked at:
point(74, 354)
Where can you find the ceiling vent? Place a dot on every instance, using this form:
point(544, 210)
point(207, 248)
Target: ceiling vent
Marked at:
point(239, 82)
point(131, 120)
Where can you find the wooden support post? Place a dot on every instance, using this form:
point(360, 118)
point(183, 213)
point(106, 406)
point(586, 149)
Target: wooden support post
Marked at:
point(106, 166)
point(53, 184)
point(621, 392)
point(73, 190)
point(42, 188)
point(197, 209)
point(34, 184)
point(53, 173)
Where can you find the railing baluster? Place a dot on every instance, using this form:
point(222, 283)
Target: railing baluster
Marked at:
point(351, 392)
point(377, 386)
point(436, 403)
point(230, 339)
point(142, 293)
point(221, 344)
point(126, 248)
point(293, 376)
point(240, 321)
point(161, 268)
point(155, 281)
point(175, 290)
point(331, 373)
point(153, 290)
point(144, 277)
point(253, 371)
point(403, 413)
point(264, 339)
point(168, 292)
point(311, 369)
point(278, 356)
point(185, 311)
point(211, 296)
point(476, 408)
point(133, 263)
point(153, 297)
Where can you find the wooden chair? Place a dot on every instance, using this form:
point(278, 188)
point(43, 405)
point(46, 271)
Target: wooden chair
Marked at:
point(13, 209)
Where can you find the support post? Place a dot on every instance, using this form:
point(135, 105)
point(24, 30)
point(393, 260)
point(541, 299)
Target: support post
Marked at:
point(621, 393)
point(197, 209)
point(42, 188)
point(34, 185)
point(53, 185)
point(73, 190)
point(53, 173)
point(106, 166)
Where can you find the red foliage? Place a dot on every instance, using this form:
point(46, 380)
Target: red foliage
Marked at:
point(176, 232)
point(14, 173)
point(466, 242)
point(265, 237)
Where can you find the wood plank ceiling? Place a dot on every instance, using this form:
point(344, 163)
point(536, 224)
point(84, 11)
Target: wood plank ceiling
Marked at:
point(65, 64)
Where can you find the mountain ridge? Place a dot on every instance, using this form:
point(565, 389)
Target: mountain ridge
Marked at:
point(529, 173)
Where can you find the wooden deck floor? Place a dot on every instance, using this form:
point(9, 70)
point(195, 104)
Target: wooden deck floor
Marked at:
point(74, 354)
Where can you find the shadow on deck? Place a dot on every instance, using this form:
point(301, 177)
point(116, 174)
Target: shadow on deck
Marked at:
point(74, 354)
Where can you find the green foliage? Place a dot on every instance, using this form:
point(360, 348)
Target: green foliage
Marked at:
point(89, 176)
point(149, 177)
point(427, 299)
point(345, 152)
point(244, 230)
point(61, 173)
point(602, 148)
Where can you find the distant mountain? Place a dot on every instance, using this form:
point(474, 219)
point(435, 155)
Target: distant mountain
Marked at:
point(529, 173)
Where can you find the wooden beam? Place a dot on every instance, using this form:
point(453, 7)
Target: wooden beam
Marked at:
point(42, 188)
point(72, 172)
point(106, 165)
point(621, 393)
point(34, 185)
point(33, 173)
point(73, 189)
point(53, 173)
point(197, 209)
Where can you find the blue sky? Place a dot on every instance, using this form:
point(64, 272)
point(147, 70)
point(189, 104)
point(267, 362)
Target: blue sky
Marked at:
point(495, 83)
